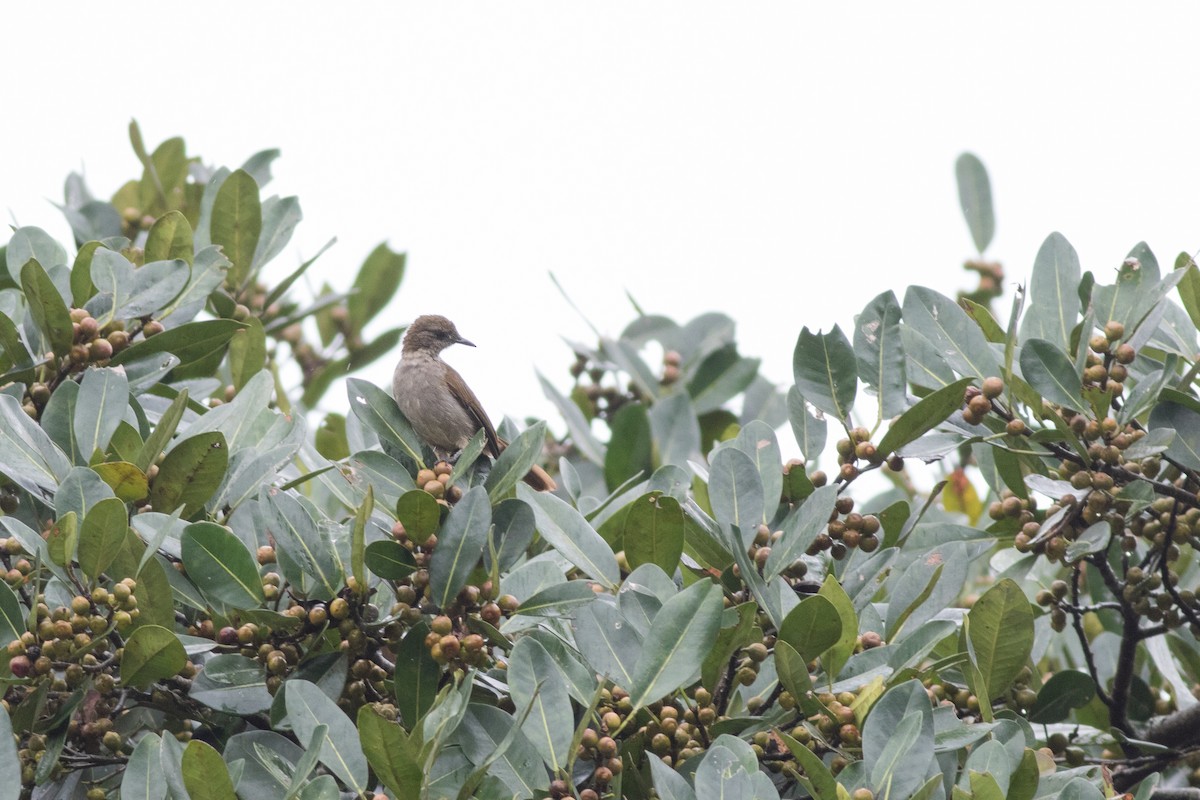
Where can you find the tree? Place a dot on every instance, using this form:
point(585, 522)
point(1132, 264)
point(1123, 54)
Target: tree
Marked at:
point(200, 598)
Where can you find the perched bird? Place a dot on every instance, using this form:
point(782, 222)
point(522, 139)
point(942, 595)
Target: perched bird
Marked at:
point(437, 402)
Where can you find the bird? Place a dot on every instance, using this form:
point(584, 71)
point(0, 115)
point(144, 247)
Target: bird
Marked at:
point(437, 402)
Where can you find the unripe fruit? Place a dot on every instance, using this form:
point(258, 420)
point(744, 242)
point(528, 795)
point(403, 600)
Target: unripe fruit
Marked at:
point(993, 387)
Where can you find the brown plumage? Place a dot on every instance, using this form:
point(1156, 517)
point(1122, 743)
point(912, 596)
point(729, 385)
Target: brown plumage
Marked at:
point(437, 402)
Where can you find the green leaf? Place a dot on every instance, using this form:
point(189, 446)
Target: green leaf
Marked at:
point(675, 429)
point(152, 653)
point(415, 682)
point(486, 732)
point(1053, 306)
point(205, 774)
point(735, 492)
point(376, 283)
point(826, 371)
point(280, 216)
point(99, 408)
point(825, 786)
point(419, 513)
point(536, 681)
point(296, 533)
point(800, 527)
point(247, 352)
point(1051, 374)
point(955, 339)
point(190, 473)
point(170, 238)
point(675, 646)
point(32, 243)
point(308, 707)
point(982, 317)
point(47, 308)
point(199, 346)
point(810, 432)
point(1001, 633)
point(144, 778)
point(879, 354)
point(558, 599)
point(1179, 411)
point(737, 631)
point(812, 627)
point(889, 768)
point(27, 455)
point(233, 684)
point(836, 656)
point(580, 429)
point(389, 752)
point(220, 565)
point(12, 617)
point(358, 544)
point(629, 447)
point(975, 198)
point(566, 530)
point(10, 763)
point(653, 532)
point(100, 536)
point(1189, 287)
point(460, 545)
point(62, 540)
point(930, 411)
point(516, 461)
point(377, 410)
point(389, 560)
point(157, 441)
point(1066, 690)
point(237, 223)
point(126, 481)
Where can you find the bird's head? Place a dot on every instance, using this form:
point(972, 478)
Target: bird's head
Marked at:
point(431, 333)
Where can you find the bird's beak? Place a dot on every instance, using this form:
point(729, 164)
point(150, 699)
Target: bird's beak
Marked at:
point(468, 343)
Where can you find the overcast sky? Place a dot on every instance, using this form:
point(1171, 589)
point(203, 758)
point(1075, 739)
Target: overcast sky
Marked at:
point(780, 162)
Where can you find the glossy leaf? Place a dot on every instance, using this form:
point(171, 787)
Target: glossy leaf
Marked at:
point(629, 447)
point(190, 473)
point(126, 481)
point(1182, 414)
point(653, 532)
point(388, 750)
point(205, 774)
point(879, 354)
point(27, 455)
point(143, 778)
point(101, 535)
point(1050, 372)
point(812, 627)
point(955, 339)
point(930, 411)
point(419, 513)
point(558, 600)
point(152, 653)
point(735, 491)
point(675, 429)
point(220, 565)
point(379, 412)
point(247, 352)
point(674, 648)
point(232, 683)
point(1053, 308)
point(516, 461)
point(12, 615)
point(975, 198)
point(1001, 633)
point(460, 544)
point(535, 681)
point(237, 223)
point(800, 527)
point(826, 371)
point(47, 308)
point(570, 534)
point(170, 238)
point(608, 643)
point(308, 707)
point(810, 431)
point(580, 429)
point(157, 441)
point(30, 243)
point(416, 678)
point(100, 407)
point(389, 560)
point(199, 346)
point(1066, 690)
point(296, 532)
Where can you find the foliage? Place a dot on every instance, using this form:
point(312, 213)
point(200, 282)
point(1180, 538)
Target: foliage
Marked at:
point(201, 599)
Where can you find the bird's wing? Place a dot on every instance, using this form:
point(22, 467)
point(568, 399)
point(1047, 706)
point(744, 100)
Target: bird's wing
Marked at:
point(470, 403)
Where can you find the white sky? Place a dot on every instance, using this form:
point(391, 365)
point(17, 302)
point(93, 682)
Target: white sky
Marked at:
point(780, 162)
